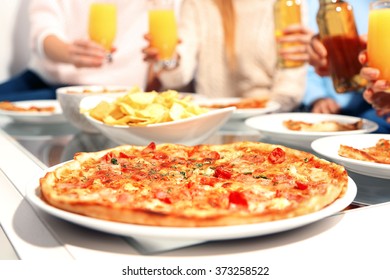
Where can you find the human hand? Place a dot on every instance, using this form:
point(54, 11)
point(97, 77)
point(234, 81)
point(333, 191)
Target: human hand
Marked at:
point(151, 55)
point(86, 53)
point(318, 56)
point(325, 106)
point(295, 42)
point(376, 91)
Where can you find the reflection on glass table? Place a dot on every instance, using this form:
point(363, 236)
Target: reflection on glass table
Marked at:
point(55, 143)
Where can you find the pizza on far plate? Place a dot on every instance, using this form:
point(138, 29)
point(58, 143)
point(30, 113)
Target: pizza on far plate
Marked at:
point(244, 103)
point(322, 126)
point(194, 186)
point(380, 153)
point(9, 106)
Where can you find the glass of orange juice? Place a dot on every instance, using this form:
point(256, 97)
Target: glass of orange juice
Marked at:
point(102, 25)
point(163, 30)
point(378, 45)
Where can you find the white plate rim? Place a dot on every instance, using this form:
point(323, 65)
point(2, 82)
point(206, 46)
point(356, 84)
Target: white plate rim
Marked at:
point(191, 233)
point(373, 169)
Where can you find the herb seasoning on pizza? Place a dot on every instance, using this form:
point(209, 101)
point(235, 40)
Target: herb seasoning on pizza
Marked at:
point(205, 185)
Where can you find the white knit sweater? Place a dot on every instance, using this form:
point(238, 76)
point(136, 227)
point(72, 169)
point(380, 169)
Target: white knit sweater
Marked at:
point(202, 54)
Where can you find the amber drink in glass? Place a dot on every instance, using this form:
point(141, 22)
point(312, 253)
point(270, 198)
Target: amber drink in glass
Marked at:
point(338, 33)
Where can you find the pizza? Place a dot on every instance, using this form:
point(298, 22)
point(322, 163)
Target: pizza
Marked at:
point(194, 186)
point(322, 126)
point(9, 106)
point(380, 153)
point(244, 103)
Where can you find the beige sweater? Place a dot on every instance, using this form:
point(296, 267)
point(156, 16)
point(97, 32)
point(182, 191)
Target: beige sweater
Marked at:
point(203, 57)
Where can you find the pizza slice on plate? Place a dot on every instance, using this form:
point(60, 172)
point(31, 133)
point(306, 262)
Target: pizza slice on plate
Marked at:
point(380, 153)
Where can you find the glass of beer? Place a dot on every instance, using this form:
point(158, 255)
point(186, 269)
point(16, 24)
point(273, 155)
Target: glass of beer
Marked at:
point(378, 46)
point(286, 12)
point(163, 30)
point(338, 33)
point(102, 25)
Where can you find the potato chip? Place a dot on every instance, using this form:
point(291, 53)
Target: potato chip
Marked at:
point(126, 108)
point(141, 99)
point(143, 108)
point(99, 112)
point(177, 112)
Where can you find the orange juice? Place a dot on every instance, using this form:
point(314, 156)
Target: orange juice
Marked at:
point(163, 31)
point(378, 45)
point(102, 24)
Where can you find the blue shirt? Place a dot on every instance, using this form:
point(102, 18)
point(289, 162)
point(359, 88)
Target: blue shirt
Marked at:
point(351, 103)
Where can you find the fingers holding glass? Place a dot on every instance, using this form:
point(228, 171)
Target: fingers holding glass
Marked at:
point(85, 53)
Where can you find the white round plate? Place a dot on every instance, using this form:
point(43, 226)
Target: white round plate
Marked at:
point(329, 146)
point(239, 114)
point(36, 117)
point(191, 233)
point(272, 126)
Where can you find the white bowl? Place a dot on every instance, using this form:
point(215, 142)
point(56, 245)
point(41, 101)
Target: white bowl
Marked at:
point(190, 131)
point(69, 99)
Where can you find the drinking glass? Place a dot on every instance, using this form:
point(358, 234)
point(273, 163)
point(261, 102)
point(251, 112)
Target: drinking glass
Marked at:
point(163, 31)
point(378, 46)
point(338, 33)
point(286, 12)
point(102, 25)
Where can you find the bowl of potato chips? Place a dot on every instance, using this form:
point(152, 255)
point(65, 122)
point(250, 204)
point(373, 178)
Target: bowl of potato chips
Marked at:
point(138, 118)
point(69, 99)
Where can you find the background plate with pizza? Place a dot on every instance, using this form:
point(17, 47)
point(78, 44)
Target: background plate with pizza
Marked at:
point(329, 148)
point(31, 116)
point(272, 126)
point(241, 113)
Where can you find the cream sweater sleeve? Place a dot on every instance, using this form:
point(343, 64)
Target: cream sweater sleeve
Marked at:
point(46, 19)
